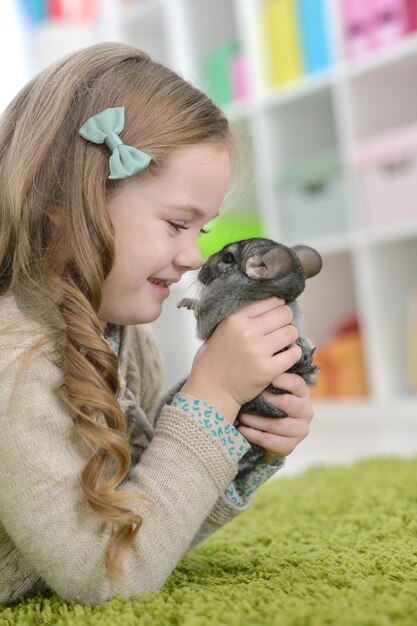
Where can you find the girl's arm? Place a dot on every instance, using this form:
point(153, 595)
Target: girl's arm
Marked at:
point(43, 509)
point(279, 437)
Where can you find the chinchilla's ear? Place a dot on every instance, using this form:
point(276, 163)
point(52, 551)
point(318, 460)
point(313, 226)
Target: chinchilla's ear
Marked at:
point(272, 262)
point(310, 260)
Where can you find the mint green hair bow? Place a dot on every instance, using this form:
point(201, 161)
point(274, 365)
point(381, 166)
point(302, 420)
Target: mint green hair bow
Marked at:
point(104, 128)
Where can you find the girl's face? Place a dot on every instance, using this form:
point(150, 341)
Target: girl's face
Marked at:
point(157, 221)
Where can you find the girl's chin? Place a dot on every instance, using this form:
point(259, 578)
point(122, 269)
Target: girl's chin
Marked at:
point(145, 317)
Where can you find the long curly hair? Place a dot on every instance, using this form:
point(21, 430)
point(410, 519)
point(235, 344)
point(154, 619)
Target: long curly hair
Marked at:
point(54, 188)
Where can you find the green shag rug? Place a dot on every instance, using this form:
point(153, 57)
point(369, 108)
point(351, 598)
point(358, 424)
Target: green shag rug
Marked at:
point(336, 546)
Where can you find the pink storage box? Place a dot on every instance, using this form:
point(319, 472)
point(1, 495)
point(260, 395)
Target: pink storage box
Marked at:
point(370, 24)
point(411, 15)
point(390, 20)
point(358, 24)
point(387, 170)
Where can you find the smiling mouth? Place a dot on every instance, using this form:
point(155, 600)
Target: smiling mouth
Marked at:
point(161, 283)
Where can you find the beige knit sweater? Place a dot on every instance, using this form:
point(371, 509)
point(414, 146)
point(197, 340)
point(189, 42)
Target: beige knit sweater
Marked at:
point(49, 538)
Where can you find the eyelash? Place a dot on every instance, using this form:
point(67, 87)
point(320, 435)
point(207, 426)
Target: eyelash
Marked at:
point(179, 227)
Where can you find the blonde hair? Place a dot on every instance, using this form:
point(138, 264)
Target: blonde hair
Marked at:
point(54, 189)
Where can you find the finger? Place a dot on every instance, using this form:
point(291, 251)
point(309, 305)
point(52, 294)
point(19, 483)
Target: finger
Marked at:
point(295, 407)
point(254, 435)
point(283, 338)
point(294, 383)
point(284, 360)
point(274, 319)
point(261, 306)
point(273, 444)
point(282, 426)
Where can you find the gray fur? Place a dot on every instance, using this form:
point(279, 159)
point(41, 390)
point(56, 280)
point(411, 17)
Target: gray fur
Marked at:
point(244, 271)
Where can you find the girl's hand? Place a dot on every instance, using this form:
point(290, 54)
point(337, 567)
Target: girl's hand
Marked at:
point(279, 436)
point(243, 355)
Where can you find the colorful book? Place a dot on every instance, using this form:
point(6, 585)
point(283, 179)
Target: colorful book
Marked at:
point(54, 9)
point(314, 34)
point(35, 10)
point(282, 41)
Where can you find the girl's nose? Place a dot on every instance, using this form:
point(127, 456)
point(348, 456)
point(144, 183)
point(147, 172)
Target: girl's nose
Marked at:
point(188, 258)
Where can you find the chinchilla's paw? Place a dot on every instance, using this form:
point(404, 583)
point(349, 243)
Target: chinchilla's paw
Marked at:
point(305, 366)
point(187, 303)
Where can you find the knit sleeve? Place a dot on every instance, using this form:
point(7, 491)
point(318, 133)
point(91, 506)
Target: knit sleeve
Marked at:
point(236, 499)
point(233, 441)
point(43, 510)
point(239, 494)
point(212, 420)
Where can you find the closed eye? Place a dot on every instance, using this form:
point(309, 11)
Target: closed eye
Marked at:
point(178, 227)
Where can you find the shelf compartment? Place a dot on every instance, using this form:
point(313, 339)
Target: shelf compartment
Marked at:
point(385, 98)
point(329, 297)
point(328, 304)
point(306, 174)
point(220, 66)
point(393, 279)
point(387, 175)
point(302, 128)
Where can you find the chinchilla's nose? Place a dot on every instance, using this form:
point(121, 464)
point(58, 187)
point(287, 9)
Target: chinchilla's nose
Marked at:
point(205, 275)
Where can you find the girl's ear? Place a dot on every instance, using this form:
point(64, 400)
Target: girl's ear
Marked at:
point(310, 260)
point(272, 262)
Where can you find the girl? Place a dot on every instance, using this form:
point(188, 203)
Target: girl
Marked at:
point(110, 166)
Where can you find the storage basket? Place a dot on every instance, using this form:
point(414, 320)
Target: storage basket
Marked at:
point(387, 171)
point(312, 198)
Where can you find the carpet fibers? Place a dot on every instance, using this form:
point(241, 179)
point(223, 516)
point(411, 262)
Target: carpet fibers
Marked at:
point(333, 547)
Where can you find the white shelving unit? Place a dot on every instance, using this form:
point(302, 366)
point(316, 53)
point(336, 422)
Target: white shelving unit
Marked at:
point(366, 271)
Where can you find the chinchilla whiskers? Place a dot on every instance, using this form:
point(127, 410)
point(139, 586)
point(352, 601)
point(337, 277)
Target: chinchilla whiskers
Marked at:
point(201, 287)
point(196, 289)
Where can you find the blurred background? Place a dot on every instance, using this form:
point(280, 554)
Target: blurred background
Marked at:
point(323, 97)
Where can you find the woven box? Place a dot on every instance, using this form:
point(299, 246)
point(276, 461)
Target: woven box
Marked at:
point(312, 198)
point(387, 171)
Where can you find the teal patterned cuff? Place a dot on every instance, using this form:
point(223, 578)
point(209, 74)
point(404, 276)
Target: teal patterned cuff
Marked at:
point(241, 489)
point(209, 418)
